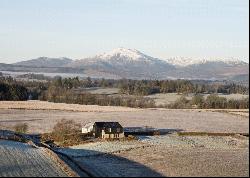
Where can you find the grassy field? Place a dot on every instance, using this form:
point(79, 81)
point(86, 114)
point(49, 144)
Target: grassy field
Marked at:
point(44, 105)
point(160, 98)
point(42, 116)
point(192, 161)
point(103, 91)
point(168, 155)
point(165, 99)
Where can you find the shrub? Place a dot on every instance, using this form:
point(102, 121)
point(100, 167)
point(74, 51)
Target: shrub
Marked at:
point(67, 132)
point(181, 103)
point(198, 100)
point(21, 128)
point(213, 101)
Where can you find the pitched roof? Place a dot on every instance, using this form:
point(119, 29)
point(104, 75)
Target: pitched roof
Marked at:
point(108, 124)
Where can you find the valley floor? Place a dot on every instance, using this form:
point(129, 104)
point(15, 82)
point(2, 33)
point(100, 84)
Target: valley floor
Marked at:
point(42, 116)
point(166, 155)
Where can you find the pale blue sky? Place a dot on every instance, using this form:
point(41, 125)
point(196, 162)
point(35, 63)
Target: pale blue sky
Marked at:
point(160, 28)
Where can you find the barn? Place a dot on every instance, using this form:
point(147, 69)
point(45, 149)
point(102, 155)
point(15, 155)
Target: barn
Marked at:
point(108, 130)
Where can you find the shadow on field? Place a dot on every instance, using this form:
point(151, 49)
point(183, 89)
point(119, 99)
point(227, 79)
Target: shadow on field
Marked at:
point(147, 131)
point(99, 164)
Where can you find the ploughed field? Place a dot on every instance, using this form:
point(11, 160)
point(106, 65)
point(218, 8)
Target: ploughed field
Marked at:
point(22, 160)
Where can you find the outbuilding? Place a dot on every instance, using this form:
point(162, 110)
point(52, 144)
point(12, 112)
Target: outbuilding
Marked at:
point(108, 130)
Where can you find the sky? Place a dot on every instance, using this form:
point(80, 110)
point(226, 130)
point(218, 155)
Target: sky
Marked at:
point(159, 28)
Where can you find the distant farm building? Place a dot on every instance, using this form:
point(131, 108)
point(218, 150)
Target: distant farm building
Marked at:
point(108, 130)
point(87, 128)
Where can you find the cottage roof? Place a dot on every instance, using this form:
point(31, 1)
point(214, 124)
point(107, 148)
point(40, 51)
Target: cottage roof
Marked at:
point(89, 124)
point(108, 124)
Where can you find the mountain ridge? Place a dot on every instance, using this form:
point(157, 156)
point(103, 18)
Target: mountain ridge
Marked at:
point(131, 63)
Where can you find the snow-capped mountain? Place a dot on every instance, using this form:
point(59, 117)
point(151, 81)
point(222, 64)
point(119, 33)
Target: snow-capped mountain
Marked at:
point(128, 63)
point(133, 64)
point(122, 56)
point(185, 61)
point(123, 53)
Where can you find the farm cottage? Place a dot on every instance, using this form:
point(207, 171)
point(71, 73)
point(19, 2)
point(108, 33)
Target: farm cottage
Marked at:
point(87, 128)
point(107, 130)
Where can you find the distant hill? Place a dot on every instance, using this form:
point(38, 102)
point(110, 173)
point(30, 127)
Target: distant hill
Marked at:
point(125, 63)
point(133, 64)
point(45, 62)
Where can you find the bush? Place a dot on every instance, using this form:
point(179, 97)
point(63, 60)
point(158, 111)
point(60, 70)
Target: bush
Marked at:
point(181, 103)
point(213, 101)
point(198, 100)
point(21, 128)
point(67, 132)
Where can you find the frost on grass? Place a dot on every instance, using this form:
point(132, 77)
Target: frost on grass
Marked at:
point(99, 148)
point(210, 142)
point(21, 160)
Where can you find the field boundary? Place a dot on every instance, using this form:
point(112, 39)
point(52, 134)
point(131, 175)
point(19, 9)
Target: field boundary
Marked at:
point(44, 105)
point(211, 134)
point(60, 162)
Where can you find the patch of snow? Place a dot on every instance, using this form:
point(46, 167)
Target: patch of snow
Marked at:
point(131, 54)
point(186, 61)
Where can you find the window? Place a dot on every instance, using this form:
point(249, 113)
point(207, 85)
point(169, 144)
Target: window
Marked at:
point(109, 129)
point(118, 129)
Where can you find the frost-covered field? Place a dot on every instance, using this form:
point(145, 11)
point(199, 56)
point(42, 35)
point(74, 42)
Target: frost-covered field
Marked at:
point(168, 155)
point(44, 105)
point(103, 91)
point(21, 160)
point(40, 121)
point(164, 99)
point(179, 161)
point(170, 141)
point(211, 142)
point(168, 98)
point(161, 98)
point(101, 147)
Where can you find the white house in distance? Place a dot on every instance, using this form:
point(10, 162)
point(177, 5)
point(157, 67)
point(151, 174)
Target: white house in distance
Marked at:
point(87, 128)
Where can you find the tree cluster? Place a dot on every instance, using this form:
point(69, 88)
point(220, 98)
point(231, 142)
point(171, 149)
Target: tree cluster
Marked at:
point(147, 87)
point(13, 92)
point(55, 94)
point(212, 101)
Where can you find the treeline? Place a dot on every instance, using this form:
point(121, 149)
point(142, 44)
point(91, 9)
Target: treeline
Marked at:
point(135, 87)
point(212, 101)
point(13, 92)
point(61, 95)
point(147, 87)
point(132, 92)
point(11, 89)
